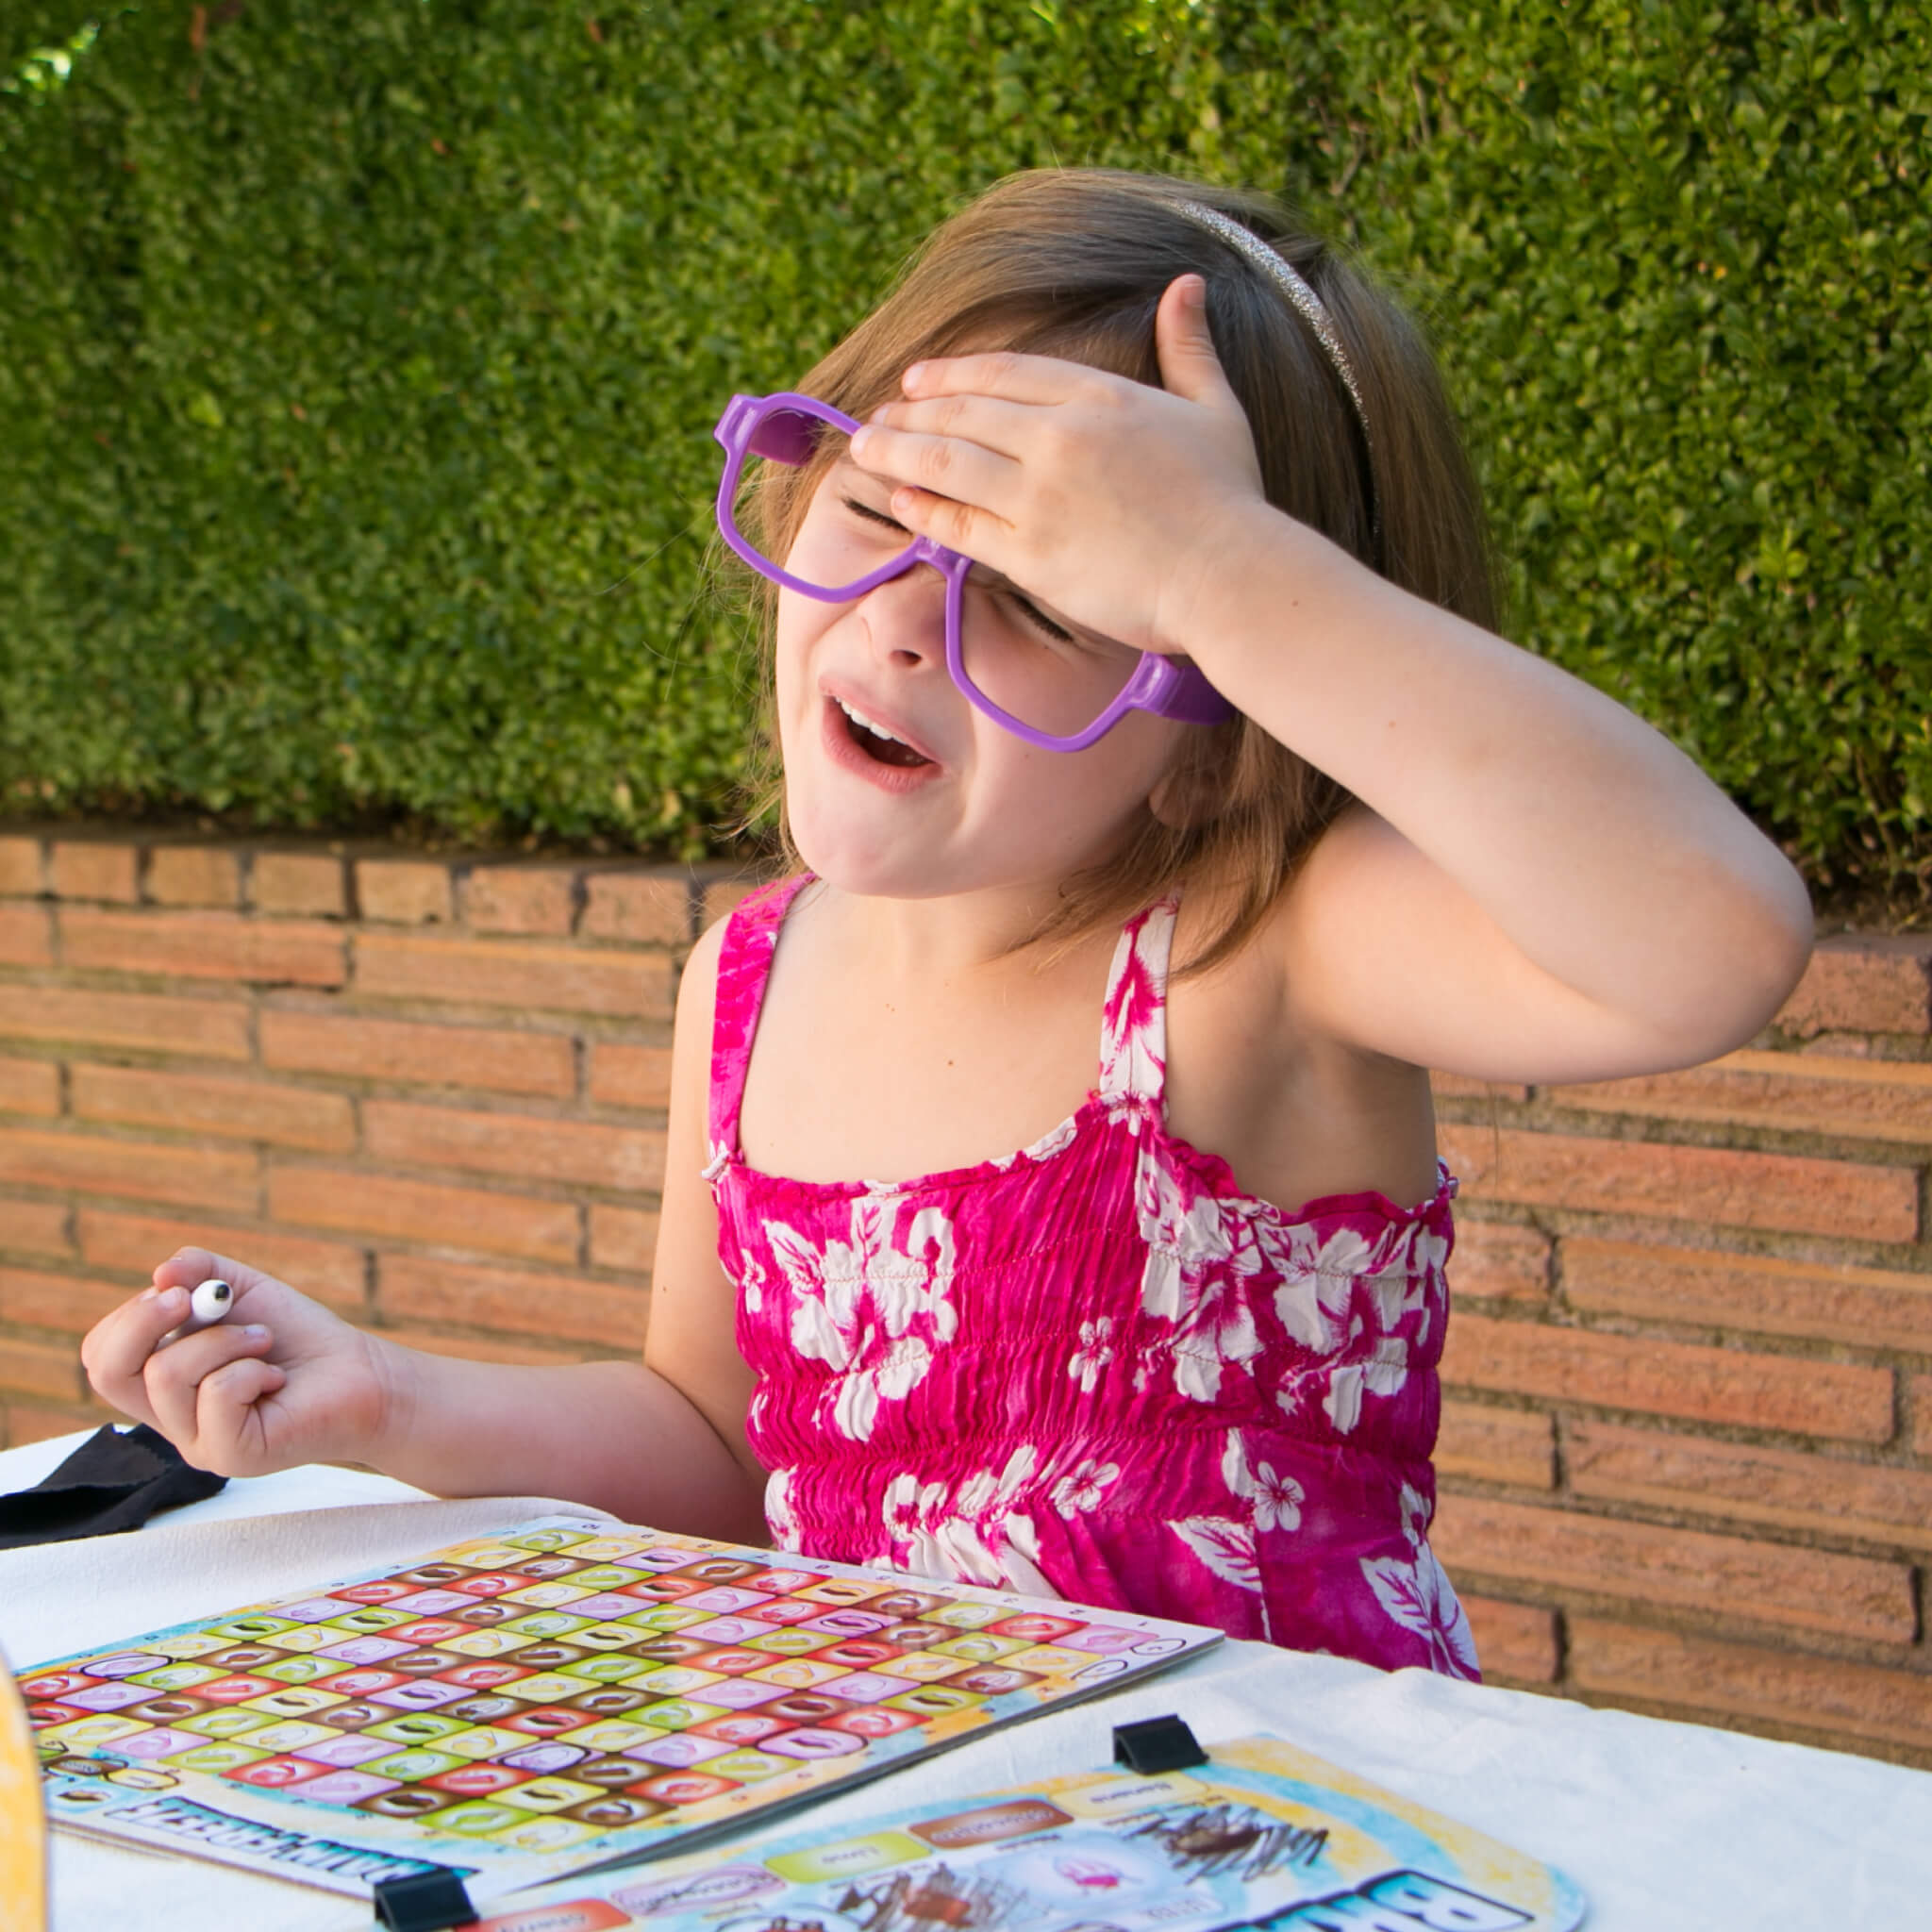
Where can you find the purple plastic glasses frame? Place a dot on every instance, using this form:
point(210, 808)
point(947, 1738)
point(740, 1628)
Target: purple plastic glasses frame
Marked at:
point(770, 426)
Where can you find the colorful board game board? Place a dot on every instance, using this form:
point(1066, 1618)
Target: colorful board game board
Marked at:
point(1262, 1836)
point(544, 1699)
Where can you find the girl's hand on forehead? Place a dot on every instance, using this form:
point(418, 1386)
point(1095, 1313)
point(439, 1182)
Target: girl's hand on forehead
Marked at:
point(1106, 501)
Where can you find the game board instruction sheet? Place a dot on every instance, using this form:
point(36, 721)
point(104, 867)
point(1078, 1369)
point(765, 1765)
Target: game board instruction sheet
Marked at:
point(544, 1699)
point(1262, 1836)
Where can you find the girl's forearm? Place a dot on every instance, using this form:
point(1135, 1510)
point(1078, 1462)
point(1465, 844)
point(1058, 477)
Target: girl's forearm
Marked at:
point(613, 1435)
point(1607, 857)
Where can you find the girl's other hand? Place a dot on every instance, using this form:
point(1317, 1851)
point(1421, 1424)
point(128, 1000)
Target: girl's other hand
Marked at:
point(279, 1381)
point(1106, 501)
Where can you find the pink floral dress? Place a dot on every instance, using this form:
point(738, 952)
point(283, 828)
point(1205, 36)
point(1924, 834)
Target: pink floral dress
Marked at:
point(1096, 1368)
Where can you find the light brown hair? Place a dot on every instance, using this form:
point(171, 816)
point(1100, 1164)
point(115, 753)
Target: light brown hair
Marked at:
point(1073, 263)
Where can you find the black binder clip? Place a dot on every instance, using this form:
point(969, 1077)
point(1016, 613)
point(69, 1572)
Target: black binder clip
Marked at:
point(1157, 1744)
point(423, 1902)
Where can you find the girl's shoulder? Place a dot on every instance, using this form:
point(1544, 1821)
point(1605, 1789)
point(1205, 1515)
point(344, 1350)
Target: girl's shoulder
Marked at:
point(1275, 975)
point(697, 978)
point(737, 943)
point(1256, 1074)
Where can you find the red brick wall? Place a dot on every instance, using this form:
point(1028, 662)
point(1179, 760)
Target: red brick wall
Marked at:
point(430, 1092)
point(1687, 1446)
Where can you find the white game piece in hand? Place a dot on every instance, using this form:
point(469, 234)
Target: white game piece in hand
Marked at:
point(206, 1305)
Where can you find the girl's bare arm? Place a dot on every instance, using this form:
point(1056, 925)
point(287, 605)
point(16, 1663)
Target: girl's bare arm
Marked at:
point(658, 1441)
point(1539, 886)
point(285, 1381)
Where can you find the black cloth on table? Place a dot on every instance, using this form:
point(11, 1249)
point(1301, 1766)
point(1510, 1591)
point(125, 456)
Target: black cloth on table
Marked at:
point(114, 1482)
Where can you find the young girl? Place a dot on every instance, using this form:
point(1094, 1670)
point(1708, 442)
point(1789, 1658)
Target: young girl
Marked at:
point(1210, 771)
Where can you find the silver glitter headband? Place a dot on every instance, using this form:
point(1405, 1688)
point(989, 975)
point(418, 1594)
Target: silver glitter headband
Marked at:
point(1307, 305)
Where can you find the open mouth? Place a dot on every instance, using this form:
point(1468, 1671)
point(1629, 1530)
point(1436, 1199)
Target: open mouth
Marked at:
point(875, 741)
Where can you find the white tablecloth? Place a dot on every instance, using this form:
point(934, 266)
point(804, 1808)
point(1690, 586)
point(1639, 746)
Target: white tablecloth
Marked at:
point(1663, 1826)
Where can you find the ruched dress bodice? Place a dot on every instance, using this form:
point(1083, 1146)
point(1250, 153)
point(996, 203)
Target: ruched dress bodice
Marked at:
point(1096, 1368)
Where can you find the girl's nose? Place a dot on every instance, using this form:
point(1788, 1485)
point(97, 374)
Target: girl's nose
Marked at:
point(906, 617)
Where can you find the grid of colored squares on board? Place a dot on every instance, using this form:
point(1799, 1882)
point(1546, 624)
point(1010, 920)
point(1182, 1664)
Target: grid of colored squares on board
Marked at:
point(541, 1690)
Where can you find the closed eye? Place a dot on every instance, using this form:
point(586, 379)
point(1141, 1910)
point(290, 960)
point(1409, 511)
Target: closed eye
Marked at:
point(1039, 618)
point(873, 516)
point(1007, 590)
point(1030, 612)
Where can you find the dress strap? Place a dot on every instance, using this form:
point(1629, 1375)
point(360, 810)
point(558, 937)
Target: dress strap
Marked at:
point(744, 964)
point(1133, 1025)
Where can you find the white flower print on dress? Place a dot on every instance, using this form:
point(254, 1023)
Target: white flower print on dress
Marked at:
point(751, 1289)
point(1317, 1280)
point(1093, 1353)
point(1274, 1502)
point(1052, 1141)
point(1082, 1486)
point(1205, 1311)
point(1225, 1549)
point(778, 1517)
point(1418, 1595)
point(851, 1293)
point(1133, 1027)
point(1382, 1373)
point(855, 1408)
point(1199, 1259)
point(973, 1533)
point(984, 1490)
point(1019, 1558)
point(1403, 1283)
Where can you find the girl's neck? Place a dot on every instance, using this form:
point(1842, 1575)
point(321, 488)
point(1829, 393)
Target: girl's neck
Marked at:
point(957, 936)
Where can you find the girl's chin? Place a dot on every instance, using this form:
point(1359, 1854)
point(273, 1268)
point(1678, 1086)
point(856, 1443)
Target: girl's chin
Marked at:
point(869, 868)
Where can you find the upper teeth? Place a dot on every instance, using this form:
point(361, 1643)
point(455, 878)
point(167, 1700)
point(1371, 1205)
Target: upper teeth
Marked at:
point(859, 719)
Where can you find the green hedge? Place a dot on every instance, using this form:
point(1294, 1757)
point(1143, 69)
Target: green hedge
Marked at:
point(359, 361)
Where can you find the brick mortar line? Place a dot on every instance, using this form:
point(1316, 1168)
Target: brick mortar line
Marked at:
point(385, 1247)
point(81, 978)
point(381, 1322)
point(1708, 1520)
point(489, 1180)
point(1832, 1452)
point(1912, 1666)
point(158, 1206)
point(1894, 1454)
point(1909, 1658)
point(256, 1071)
point(508, 1105)
point(1559, 1224)
point(632, 1280)
point(355, 850)
point(1661, 1131)
point(1906, 1278)
point(356, 1088)
point(1898, 1049)
point(458, 1016)
point(1559, 1645)
point(128, 1059)
point(1563, 1319)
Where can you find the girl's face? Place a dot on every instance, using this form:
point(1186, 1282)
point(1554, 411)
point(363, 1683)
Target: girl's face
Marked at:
point(951, 802)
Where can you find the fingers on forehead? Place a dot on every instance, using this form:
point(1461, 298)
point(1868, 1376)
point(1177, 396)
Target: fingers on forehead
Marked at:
point(989, 420)
point(995, 372)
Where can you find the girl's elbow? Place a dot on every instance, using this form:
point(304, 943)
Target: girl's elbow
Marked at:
point(1766, 955)
point(1790, 933)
